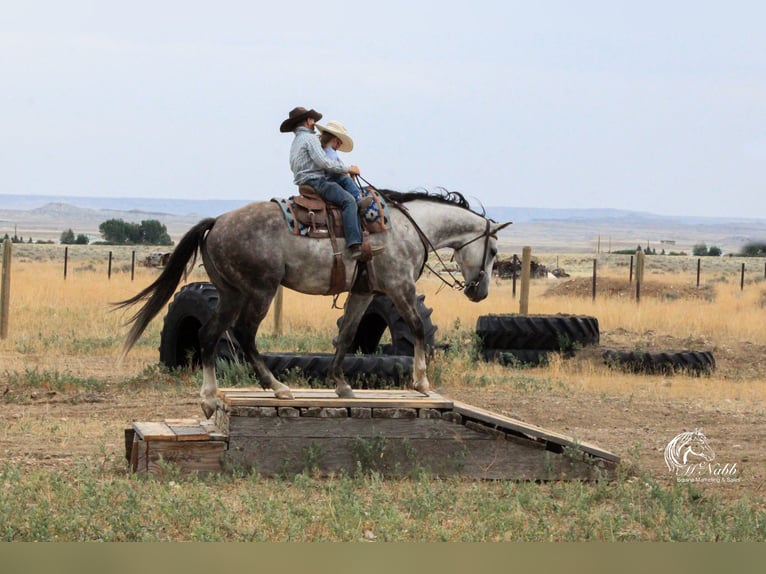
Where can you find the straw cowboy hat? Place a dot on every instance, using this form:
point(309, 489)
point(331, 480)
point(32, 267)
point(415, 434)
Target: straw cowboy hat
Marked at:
point(339, 131)
point(297, 116)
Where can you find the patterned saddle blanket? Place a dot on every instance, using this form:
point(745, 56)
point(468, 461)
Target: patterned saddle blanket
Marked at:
point(309, 215)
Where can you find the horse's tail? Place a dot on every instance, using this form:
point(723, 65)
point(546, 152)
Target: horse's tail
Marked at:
point(161, 290)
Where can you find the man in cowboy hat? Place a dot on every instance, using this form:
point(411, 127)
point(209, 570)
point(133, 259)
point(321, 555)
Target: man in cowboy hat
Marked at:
point(311, 166)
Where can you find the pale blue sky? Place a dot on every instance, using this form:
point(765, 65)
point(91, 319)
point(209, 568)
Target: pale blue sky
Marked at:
point(651, 106)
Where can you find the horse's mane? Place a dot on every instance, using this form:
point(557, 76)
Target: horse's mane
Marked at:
point(440, 196)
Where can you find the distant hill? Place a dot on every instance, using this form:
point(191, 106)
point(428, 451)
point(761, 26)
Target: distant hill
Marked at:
point(546, 230)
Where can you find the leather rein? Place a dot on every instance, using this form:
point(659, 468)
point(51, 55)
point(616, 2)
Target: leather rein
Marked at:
point(428, 247)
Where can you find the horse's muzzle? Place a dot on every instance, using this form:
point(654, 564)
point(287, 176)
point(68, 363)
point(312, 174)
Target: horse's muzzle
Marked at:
point(477, 290)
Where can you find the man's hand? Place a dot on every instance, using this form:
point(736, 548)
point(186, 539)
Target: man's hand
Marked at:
point(353, 170)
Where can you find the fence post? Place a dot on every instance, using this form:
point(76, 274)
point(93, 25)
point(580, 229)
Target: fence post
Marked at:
point(133, 265)
point(66, 259)
point(742, 279)
point(109, 269)
point(526, 265)
point(5, 290)
point(699, 265)
point(515, 263)
point(630, 278)
point(639, 273)
point(278, 301)
point(594, 278)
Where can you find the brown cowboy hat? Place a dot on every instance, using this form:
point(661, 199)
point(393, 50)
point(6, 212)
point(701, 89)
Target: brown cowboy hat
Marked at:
point(298, 115)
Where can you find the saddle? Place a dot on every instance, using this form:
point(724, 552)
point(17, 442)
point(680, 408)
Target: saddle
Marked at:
point(320, 218)
point(309, 215)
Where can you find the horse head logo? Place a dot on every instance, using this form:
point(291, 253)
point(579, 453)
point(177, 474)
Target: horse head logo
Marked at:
point(687, 451)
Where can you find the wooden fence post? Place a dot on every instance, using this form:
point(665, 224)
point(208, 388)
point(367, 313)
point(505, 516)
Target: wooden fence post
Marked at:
point(66, 259)
point(109, 269)
point(699, 265)
point(5, 290)
point(630, 277)
point(595, 263)
point(133, 265)
point(278, 301)
point(526, 265)
point(639, 273)
point(515, 263)
point(742, 279)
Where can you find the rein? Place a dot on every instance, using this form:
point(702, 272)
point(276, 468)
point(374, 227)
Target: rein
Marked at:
point(428, 246)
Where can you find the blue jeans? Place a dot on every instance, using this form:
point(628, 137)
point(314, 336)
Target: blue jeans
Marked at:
point(346, 183)
point(334, 193)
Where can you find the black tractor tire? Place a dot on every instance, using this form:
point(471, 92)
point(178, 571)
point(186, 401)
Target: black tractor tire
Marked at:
point(689, 362)
point(537, 332)
point(361, 371)
point(195, 303)
point(381, 314)
point(191, 308)
point(517, 357)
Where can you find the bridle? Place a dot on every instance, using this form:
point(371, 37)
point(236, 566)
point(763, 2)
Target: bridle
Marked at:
point(454, 282)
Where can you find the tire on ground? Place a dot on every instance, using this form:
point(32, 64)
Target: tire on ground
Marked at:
point(538, 332)
point(668, 363)
point(381, 314)
point(191, 308)
point(517, 357)
point(361, 371)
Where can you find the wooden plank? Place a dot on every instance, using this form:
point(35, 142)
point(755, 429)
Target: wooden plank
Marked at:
point(318, 428)
point(416, 403)
point(531, 430)
point(188, 433)
point(183, 422)
point(484, 457)
point(328, 398)
point(190, 457)
point(154, 431)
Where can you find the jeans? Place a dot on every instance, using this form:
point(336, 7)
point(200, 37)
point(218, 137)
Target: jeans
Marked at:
point(346, 183)
point(334, 193)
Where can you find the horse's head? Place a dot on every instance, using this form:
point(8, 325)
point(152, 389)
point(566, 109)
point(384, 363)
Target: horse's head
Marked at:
point(475, 258)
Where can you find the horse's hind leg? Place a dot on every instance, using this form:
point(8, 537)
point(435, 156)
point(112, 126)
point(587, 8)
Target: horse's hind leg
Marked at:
point(209, 334)
point(245, 329)
point(355, 307)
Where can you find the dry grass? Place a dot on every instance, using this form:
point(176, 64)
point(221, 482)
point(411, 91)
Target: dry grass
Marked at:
point(67, 402)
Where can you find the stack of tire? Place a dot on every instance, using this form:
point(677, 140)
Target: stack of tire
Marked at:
point(529, 340)
point(366, 365)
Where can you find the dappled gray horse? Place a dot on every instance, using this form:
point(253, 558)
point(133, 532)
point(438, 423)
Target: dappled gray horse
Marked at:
point(249, 252)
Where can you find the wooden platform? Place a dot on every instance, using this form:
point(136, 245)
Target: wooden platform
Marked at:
point(395, 433)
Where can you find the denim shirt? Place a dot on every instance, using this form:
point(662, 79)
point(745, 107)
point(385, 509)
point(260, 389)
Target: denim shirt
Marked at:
point(308, 160)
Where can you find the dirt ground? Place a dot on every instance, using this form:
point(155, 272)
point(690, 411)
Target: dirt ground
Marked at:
point(54, 430)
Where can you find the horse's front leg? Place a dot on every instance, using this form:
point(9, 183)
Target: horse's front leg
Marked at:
point(355, 307)
point(406, 304)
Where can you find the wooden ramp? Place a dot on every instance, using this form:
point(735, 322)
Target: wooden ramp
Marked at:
point(396, 433)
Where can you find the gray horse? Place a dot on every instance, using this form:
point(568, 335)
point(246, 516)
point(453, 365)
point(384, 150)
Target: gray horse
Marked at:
point(249, 252)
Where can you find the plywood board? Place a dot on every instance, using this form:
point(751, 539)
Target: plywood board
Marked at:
point(531, 430)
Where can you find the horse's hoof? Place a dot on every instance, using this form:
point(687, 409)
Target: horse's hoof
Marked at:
point(345, 392)
point(207, 409)
point(423, 389)
point(285, 394)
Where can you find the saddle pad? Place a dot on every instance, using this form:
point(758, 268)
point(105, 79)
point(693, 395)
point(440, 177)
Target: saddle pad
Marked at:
point(371, 215)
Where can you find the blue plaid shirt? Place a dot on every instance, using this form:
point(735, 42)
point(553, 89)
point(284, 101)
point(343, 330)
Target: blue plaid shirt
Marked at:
point(308, 160)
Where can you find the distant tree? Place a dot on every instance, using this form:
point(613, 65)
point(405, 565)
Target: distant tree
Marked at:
point(714, 251)
point(148, 232)
point(81, 239)
point(154, 233)
point(699, 250)
point(67, 237)
point(754, 249)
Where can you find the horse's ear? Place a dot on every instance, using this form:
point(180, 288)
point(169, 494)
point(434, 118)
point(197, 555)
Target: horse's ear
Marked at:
point(497, 228)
